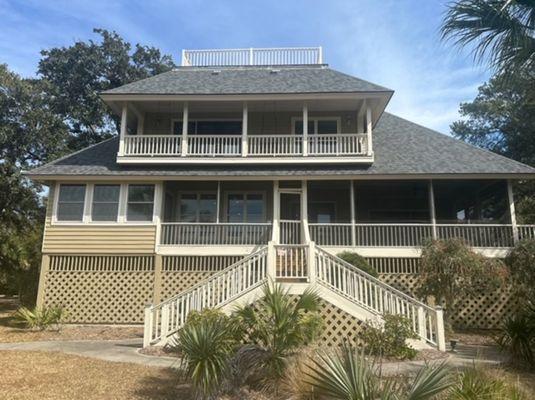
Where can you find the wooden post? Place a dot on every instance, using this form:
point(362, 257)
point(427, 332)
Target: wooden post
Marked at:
point(422, 328)
point(218, 202)
point(311, 262)
point(123, 132)
point(244, 144)
point(369, 124)
point(164, 322)
point(304, 210)
point(305, 129)
point(441, 336)
point(45, 266)
point(147, 325)
point(185, 115)
point(157, 285)
point(432, 212)
point(271, 261)
point(512, 211)
point(353, 213)
point(276, 212)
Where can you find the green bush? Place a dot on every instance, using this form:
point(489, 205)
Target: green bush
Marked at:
point(521, 263)
point(358, 261)
point(40, 318)
point(206, 344)
point(389, 339)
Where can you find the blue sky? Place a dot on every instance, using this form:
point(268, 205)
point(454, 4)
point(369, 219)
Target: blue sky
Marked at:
point(394, 43)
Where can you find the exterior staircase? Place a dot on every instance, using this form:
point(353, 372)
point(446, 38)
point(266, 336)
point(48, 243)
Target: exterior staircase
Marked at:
point(296, 267)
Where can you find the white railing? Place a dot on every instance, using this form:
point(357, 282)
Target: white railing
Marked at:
point(290, 232)
point(166, 318)
point(252, 56)
point(378, 297)
point(275, 145)
point(337, 144)
point(151, 145)
point(192, 233)
point(331, 234)
point(214, 145)
point(526, 231)
point(392, 235)
point(478, 235)
point(291, 262)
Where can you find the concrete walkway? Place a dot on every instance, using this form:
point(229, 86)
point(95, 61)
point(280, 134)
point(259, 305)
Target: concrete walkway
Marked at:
point(109, 350)
point(127, 351)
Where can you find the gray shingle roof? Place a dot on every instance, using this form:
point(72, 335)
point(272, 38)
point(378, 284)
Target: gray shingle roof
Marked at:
point(249, 80)
point(401, 148)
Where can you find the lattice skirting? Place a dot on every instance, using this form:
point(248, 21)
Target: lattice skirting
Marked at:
point(115, 289)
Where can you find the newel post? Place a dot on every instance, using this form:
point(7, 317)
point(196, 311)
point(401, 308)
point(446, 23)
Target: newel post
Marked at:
point(164, 322)
point(147, 325)
point(271, 261)
point(311, 262)
point(441, 335)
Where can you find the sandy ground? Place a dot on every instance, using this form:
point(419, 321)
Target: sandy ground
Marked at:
point(11, 331)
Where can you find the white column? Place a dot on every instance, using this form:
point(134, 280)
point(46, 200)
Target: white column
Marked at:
point(353, 213)
point(369, 129)
point(123, 132)
point(157, 214)
point(304, 211)
point(218, 202)
point(276, 212)
point(512, 211)
point(185, 115)
point(244, 147)
point(441, 336)
point(432, 212)
point(305, 129)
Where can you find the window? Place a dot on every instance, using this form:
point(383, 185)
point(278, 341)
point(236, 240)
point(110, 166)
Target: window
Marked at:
point(317, 126)
point(246, 207)
point(140, 202)
point(322, 212)
point(71, 203)
point(198, 207)
point(105, 203)
point(210, 127)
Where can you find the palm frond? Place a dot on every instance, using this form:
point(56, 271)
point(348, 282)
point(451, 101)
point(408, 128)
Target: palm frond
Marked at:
point(429, 382)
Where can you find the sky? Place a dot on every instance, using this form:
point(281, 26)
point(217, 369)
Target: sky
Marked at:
point(394, 43)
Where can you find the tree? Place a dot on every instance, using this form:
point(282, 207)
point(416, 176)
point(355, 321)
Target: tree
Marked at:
point(76, 74)
point(500, 31)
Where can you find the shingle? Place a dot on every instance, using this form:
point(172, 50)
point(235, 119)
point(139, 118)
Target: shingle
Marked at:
point(248, 80)
point(400, 146)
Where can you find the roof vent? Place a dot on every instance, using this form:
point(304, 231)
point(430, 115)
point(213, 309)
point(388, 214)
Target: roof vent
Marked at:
point(216, 72)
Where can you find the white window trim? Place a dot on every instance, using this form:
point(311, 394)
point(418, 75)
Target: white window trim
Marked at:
point(197, 194)
point(245, 192)
point(123, 204)
point(315, 120)
point(173, 120)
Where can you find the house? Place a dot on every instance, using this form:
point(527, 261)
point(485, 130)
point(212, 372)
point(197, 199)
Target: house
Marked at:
point(248, 165)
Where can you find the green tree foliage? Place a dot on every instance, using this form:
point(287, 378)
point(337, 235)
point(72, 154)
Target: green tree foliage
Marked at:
point(450, 271)
point(358, 261)
point(76, 74)
point(521, 263)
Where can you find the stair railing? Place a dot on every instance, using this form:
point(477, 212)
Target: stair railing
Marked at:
point(378, 297)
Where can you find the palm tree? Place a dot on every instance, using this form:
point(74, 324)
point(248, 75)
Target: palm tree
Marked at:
point(348, 375)
point(501, 31)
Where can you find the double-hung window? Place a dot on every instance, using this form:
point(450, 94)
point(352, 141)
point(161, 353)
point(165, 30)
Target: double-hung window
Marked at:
point(71, 202)
point(245, 207)
point(140, 205)
point(105, 205)
point(198, 207)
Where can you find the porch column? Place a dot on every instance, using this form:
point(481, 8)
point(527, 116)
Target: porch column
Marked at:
point(353, 213)
point(276, 212)
point(305, 129)
point(123, 132)
point(432, 214)
point(369, 129)
point(244, 146)
point(185, 115)
point(218, 202)
point(304, 210)
point(512, 211)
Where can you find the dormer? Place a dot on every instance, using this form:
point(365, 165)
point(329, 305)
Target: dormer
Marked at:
point(253, 106)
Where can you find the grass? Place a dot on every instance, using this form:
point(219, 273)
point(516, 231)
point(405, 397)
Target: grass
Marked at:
point(32, 375)
point(12, 330)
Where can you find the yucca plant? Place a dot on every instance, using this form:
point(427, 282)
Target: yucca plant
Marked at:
point(517, 336)
point(206, 344)
point(40, 318)
point(348, 375)
point(278, 325)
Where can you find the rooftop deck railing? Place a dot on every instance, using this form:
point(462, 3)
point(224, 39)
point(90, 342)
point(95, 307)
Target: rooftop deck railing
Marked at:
point(346, 144)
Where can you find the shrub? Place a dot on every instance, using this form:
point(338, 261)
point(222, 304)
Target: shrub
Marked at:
point(521, 263)
point(450, 270)
point(389, 339)
point(206, 343)
point(278, 325)
point(40, 318)
point(359, 262)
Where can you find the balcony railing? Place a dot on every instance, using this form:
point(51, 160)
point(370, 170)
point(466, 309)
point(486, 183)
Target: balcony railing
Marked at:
point(346, 144)
point(236, 234)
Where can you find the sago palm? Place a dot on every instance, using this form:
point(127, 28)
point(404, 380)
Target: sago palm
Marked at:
point(502, 31)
